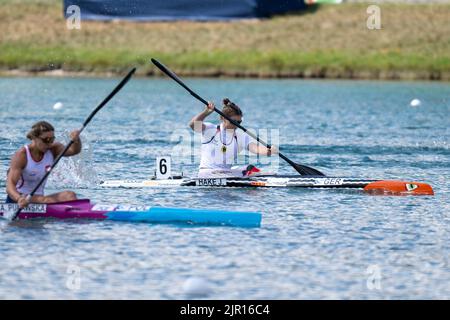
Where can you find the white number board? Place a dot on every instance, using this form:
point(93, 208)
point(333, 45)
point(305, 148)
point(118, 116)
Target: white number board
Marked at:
point(163, 168)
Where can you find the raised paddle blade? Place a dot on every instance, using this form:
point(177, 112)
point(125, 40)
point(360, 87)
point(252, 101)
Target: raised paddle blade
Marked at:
point(395, 187)
point(110, 96)
point(172, 75)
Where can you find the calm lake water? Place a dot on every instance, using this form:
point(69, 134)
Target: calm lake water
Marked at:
point(313, 244)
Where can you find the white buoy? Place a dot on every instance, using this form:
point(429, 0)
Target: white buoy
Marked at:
point(415, 103)
point(58, 106)
point(196, 286)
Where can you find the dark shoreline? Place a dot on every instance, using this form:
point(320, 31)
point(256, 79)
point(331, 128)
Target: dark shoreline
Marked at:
point(348, 75)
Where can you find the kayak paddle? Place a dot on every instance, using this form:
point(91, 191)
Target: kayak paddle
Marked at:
point(103, 103)
point(302, 169)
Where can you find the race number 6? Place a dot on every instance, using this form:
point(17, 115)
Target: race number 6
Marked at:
point(163, 167)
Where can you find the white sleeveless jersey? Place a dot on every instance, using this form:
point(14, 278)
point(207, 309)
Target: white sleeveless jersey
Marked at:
point(34, 172)
point(220, 148)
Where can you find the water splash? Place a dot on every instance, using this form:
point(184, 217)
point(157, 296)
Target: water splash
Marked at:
point(76, 171)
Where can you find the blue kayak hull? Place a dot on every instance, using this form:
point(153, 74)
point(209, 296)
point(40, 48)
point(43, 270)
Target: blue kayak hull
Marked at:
point(194, 216)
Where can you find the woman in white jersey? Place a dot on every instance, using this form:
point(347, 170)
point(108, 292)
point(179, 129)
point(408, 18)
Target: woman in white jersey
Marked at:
point(222, 143)
point(29, 164)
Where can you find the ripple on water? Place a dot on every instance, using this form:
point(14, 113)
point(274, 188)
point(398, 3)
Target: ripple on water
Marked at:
point(313, 244)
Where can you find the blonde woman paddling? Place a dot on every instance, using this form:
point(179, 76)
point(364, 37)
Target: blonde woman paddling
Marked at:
point(31, 162)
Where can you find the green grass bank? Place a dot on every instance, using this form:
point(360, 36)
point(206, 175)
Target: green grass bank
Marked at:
point(330, 41)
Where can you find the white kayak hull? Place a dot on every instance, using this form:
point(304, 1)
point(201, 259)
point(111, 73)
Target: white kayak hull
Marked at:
point(256, 181)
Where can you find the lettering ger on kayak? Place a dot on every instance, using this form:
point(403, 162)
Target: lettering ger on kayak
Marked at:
point(329, 181)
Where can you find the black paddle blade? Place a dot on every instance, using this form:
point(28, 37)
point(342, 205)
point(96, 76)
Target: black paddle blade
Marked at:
point(307, 171)
point(166, 70)
point(109, 97)
point(172, 75)
point(302, 169)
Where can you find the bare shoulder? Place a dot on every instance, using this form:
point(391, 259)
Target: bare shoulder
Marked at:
point(19, 159)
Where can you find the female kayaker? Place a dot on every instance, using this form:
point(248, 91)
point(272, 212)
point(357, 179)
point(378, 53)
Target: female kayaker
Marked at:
point(29, 164)
point(222, 143)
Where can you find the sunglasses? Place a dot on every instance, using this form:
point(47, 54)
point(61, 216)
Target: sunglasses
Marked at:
point(238, 121)
point(48, 140)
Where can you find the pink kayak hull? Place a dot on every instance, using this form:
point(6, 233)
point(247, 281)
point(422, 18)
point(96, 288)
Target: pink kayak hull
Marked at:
point(83, 209)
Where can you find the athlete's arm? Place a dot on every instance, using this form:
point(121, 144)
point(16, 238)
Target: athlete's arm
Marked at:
point(262, 150)
point(18, 163)
point(194, 123)
point(74, 149)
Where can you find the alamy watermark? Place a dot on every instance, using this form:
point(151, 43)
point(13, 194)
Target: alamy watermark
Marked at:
point(374, 20)
point(188, 145)
point(73, 281)
point(73, 20)
point(374, 279)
